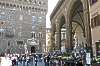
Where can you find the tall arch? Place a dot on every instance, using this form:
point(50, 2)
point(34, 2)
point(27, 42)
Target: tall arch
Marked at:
point(78, 12)
point(62, 33)
point(60, 21)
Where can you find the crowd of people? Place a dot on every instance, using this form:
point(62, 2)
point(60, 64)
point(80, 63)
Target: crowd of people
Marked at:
point(24, 60)
point(12, 59)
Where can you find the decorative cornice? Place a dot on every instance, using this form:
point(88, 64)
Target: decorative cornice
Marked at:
point(60, 2)
point(22, 7)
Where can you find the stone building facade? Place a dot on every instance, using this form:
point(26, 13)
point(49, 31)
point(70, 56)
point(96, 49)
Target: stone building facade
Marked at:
point(95, 25)
point(18, 20)
point(74, 16)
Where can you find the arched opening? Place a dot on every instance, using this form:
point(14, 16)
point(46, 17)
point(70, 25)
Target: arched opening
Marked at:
point(77, 25)
point(62, 33)
point(32, 49)
point(77, 35)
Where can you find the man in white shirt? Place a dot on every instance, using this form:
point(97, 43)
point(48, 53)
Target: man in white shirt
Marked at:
point(5, 61)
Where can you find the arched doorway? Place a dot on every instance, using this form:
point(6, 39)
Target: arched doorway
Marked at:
point(33, 49)
point(77, 24)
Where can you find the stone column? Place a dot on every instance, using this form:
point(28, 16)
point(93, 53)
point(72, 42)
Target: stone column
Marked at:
point(68, 35)
point(52, 41)
point(86, 16)
point(58, 36)
point(52, 37)
point(68, 31)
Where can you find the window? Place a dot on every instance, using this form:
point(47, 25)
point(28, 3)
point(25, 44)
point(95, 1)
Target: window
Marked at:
point(95, 21)
point(3, 4)
point(35, 2)
point(36, 9)
point(7, 4)
point(20, 7)
point(63, 35)
point(34, 20)
point(8, 43)
point(14, 5)
point(32, 7)
point(93, 1)
point(26, 8)
point(20, 42)
point(92, 24)
point(98, 48)
point(11, 5)
point(39, 3)
point(33, 35)
point(3, 17)
point(40, 35)
point(17, 6)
